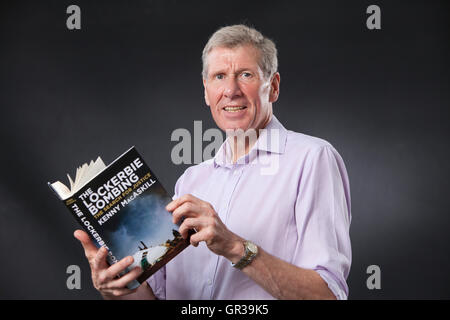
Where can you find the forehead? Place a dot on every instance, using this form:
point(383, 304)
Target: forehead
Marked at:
point(239, 57)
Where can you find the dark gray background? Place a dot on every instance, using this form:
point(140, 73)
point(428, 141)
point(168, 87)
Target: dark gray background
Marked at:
point(131, 76)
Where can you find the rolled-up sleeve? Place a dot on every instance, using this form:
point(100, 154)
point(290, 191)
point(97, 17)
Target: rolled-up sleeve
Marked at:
point(323, 216)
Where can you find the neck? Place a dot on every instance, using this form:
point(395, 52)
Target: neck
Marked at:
point(241, 145)
point(242, 142)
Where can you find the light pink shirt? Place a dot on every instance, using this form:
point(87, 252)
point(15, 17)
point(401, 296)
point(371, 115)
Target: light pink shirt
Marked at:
point(290, 195)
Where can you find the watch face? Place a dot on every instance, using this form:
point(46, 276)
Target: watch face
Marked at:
point(252, 247)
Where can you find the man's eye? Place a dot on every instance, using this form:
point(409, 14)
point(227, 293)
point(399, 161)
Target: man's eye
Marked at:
point(246, 75)
point(219, 76)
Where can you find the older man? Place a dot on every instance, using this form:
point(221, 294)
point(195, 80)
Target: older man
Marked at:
point(282, 234)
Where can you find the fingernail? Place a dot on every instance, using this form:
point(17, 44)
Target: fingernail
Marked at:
point(139, 269)
point(170, 205)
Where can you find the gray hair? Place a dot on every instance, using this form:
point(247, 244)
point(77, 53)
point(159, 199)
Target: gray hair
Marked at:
point(239, 35)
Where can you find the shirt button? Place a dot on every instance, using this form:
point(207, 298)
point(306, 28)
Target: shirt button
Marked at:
point(209, 282)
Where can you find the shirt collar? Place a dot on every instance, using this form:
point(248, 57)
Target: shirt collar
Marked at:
point(271, 139)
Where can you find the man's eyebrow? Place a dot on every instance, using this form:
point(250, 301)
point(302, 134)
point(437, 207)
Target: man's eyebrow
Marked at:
point(216, 72)
point(224, 71)
point(243, 69)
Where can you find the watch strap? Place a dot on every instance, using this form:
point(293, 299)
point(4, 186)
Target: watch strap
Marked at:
point(246, 259)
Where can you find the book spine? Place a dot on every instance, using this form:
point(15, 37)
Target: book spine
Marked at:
point(84, 218)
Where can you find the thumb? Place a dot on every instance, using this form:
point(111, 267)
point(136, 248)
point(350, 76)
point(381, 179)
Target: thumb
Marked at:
point(90, 250)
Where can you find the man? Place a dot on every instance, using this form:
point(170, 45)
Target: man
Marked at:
point(282, 234)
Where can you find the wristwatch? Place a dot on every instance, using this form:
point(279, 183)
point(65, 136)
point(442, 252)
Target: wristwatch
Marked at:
point(251, 250)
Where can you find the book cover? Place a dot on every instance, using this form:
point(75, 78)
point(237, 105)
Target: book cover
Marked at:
point(122, 208)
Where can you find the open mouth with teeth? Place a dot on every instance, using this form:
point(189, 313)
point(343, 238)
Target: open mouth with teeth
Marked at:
point(234, 108)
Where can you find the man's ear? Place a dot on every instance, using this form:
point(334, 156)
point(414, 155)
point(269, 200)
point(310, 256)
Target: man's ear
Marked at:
point(274, 87)
point(206, 95)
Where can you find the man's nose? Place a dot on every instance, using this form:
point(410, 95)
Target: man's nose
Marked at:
point(232, 89)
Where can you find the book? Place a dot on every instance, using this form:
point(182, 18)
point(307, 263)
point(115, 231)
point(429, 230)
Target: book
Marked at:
point(122, 208)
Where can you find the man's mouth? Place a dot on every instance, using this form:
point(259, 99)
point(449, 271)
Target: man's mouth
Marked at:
point(234, 108)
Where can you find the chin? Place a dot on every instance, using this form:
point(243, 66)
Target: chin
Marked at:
point(235, 125)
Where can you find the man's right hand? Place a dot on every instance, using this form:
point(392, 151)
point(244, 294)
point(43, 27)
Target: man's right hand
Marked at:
point(104, 277)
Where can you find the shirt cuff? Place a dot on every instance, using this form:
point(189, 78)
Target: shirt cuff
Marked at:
point(332, 284)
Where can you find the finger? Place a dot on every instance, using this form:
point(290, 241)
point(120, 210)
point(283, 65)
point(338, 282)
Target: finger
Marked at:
point(99, 262)
point(191, 223)
point(122, 282)
point(178, 202)
point(121, 292)
point(90, 250)
point(119, 267)
point(187, 209)
point(203, 235)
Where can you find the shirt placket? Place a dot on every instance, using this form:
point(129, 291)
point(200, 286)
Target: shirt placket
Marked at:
point(234, 174)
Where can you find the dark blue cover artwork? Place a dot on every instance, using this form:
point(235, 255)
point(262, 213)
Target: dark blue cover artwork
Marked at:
point(143, 222)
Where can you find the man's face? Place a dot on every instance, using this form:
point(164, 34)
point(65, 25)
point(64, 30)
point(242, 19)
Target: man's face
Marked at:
point(235, 89)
